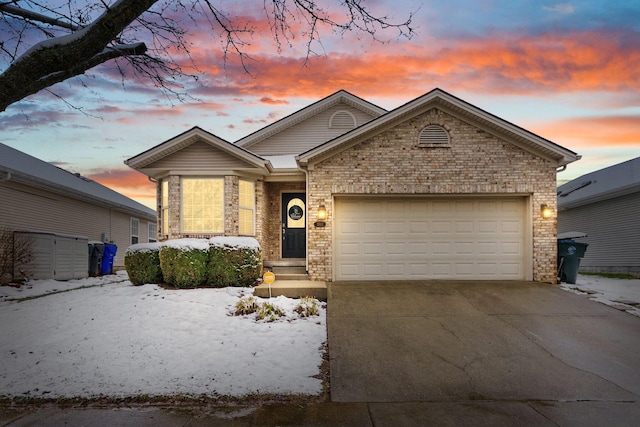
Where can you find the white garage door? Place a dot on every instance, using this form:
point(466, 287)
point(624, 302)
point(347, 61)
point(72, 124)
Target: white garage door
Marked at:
point(381, 238)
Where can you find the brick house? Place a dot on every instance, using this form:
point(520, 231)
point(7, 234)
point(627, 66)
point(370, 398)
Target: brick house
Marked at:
point(434, 189)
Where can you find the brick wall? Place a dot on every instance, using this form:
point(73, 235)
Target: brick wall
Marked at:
point(476, 162)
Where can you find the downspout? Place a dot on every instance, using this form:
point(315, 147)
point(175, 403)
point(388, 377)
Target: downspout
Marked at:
point(561, 169)
point(6, 177)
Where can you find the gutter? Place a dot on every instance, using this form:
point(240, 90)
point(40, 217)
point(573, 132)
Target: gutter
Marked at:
point(6, 177)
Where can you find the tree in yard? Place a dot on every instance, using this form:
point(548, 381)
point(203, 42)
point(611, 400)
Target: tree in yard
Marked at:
point(44, 42)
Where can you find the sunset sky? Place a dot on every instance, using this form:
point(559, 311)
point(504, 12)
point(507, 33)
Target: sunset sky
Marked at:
point(567, 71)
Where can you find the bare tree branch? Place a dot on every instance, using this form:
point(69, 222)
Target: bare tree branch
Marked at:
point(34, 16)
point(76, 41)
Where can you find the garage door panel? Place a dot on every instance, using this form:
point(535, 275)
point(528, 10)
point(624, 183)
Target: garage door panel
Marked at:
point(385, 238)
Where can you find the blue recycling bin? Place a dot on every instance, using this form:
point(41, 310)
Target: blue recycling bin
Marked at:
point(108, 256)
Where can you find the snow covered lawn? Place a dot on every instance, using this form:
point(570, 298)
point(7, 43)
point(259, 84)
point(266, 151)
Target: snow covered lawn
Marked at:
point(115, 339)
point(619, 293)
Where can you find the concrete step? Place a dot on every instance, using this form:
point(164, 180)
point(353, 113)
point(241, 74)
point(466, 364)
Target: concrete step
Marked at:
point(292, 289)
point(289, 270)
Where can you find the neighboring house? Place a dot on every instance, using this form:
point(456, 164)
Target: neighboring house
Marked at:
point(39, 197)
point(435, 189)
point(606, 206)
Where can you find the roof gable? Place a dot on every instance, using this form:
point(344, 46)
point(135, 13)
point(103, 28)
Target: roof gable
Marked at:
point(29, 170)
point(196, 149)
point(614, 181)
point(454, 106)
point(323, 106)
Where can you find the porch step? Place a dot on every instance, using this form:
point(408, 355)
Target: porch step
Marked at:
point(292, 289)
point(288, 269)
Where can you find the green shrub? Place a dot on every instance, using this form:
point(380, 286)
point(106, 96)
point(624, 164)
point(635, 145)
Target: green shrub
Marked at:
point(307, 306)
point(142, 263)
point(184, 267)
point(269, 312)
point(233, 265)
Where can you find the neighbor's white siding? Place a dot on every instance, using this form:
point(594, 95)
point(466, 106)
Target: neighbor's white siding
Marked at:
point(199, 156)
point(25, 208)
point(307, 134)
point(613, 229)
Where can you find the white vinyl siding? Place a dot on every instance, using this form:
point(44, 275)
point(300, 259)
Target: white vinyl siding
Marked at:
point(613, 233)
point(198, 156)
point(202, 205)
point(45, 211)
point(307, 134)
point(383, 238)
point(247, 207)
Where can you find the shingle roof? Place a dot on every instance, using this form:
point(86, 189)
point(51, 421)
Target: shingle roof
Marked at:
point(614, 181)
point(16, 165)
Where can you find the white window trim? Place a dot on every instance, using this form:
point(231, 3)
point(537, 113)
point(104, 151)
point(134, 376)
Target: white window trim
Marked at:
point(134, 230)
point(164, 219)
point(153, 232)
point(224, 211)
point(252, 208)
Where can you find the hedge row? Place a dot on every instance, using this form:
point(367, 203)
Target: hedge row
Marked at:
point(190, 263)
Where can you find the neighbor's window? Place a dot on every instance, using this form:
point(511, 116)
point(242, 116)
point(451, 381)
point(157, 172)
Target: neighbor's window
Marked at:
point(153, 232)
point(202, 205)
point(164, 219)
point(135, 227)
point(247, 205)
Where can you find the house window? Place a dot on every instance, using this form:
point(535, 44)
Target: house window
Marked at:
point(342, 120)
point(135, 227)
point(202, 205)
point(153, 232)
point(247, 207)
point(434, 136)
point(164, 206)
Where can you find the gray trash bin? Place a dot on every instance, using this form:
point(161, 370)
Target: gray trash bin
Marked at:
point(570, 253)
point(96, 250)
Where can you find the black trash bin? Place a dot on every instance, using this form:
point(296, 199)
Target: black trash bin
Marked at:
point(96, 250)
point(570, 253)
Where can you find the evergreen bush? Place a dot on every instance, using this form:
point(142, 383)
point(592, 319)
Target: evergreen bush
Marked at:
point(234, 261)
point(184, 262)
point(142, 262)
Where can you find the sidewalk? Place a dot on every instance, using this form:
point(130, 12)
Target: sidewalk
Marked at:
point(477, 413)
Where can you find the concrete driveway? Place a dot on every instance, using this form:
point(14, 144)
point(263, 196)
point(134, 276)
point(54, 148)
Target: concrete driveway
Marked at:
point(490, 343)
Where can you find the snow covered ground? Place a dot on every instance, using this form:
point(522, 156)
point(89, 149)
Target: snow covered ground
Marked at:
point(103, 336)
point(618, 293)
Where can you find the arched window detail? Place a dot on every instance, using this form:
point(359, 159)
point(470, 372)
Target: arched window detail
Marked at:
point(342, 120)
point(434, 136)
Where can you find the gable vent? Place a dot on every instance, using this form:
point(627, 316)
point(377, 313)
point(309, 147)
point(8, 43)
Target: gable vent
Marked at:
point(342, 120)
point(434, 136)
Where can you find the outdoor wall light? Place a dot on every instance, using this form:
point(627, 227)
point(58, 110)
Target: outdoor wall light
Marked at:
point(321, 216)
point(546, 211)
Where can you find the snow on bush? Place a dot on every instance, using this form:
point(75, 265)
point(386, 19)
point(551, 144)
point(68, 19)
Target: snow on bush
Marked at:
point(189, 263)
